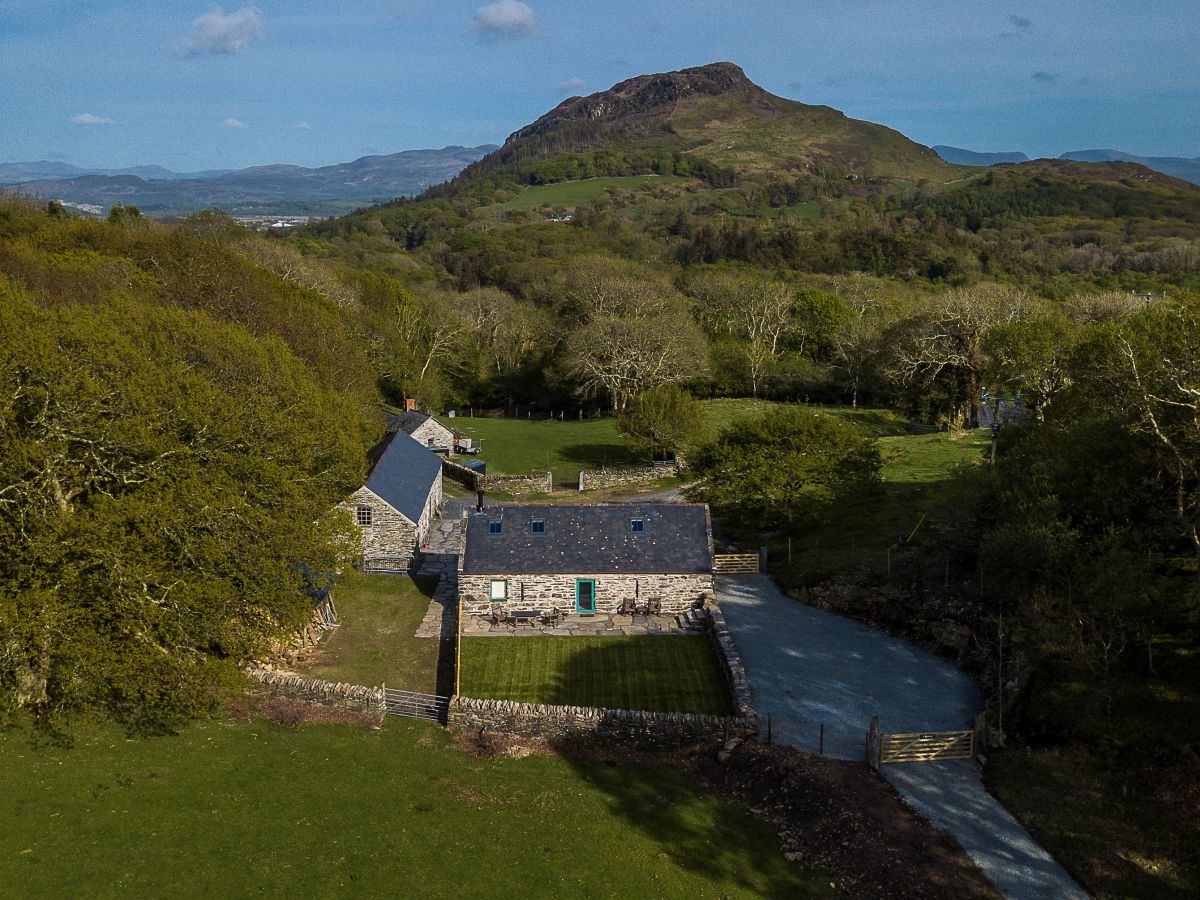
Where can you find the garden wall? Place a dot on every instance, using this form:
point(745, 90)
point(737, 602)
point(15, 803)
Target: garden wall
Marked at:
point(731, 667)
point(619, 726)
point(597, 479)
point(534, 483)
point(328, 693)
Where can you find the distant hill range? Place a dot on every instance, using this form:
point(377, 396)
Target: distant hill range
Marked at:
point(46, 170)
point(961, 157)
point(1175, 166)
point(273, 189)
point(716, 117)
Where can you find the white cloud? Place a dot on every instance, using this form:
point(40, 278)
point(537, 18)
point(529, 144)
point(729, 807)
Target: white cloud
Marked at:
point(504, 18)
point(231, 122)
point(303, 126)
point(89, 119)
point(570, 86)
point(217, 34)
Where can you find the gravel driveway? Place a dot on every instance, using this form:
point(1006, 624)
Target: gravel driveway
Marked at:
point(808, 666)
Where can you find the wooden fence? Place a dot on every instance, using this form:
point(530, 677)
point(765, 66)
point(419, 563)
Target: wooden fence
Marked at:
point(730, 563)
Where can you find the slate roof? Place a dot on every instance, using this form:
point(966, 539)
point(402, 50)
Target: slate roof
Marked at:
point(403, 474)
point(593, 540)
point(410, 420)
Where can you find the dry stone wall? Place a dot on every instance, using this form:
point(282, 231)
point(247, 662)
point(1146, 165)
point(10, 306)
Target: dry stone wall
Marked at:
point(732, 669)
point(597, 479)
point(626, 727)
point(676, 593)
point(328, 693)
point(516, 485)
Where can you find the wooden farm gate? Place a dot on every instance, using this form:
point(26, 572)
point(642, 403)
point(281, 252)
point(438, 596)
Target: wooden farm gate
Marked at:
point(731, 563)
point(414, 705)
point(926, 746)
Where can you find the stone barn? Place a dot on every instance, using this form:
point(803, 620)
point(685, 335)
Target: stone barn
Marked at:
point(424, 429)
point(586, 559)
point(395, 507)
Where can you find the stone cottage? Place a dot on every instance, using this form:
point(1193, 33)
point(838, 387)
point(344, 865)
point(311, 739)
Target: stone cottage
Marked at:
point(586, 559)
point(424, 429)
point(395, 507)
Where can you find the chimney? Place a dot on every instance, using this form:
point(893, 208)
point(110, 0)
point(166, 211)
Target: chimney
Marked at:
point(479, 501)
point(409, 404)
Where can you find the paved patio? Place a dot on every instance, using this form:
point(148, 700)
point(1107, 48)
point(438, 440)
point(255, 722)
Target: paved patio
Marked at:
point(692, 622)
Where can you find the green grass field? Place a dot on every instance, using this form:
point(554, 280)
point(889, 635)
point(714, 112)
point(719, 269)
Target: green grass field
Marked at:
point(916, 471)
point(570, 193)
point(517, 446)
point(379, 615)
point(665, 674)
point(258, 810)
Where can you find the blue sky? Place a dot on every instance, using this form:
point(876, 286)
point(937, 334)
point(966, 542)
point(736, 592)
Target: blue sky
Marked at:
point(191, 86)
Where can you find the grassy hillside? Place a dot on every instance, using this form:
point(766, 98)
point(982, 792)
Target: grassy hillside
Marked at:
point(571, 193)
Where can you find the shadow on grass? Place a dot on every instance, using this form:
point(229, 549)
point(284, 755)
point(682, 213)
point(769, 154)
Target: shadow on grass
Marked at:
point(598, 456)
point(691, 828)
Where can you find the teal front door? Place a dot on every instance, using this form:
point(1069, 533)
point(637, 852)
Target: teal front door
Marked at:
point(585, 596)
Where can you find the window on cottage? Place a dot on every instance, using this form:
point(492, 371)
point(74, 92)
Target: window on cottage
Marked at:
point(428, 442)
point(362, 515)
point(495, 527)
point(538, 526)
point(499, 590)
point(637, 526)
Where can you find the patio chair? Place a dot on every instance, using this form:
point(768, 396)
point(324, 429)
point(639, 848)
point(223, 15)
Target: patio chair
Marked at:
point(499, 615)
point(553, 617)
point(628, 607)
point(654, 607)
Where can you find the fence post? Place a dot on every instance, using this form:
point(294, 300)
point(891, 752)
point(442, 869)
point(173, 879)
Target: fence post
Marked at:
point(873, 747)
point(457, 644)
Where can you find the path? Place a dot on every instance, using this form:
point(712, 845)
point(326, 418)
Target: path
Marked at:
point(808, 666)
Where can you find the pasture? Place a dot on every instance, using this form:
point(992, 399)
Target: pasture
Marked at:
point(249, 808)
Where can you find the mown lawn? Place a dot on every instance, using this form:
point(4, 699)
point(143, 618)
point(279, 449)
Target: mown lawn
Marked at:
point(235, 810)
point(664, 674)
point(375, 644)
point(517, 446)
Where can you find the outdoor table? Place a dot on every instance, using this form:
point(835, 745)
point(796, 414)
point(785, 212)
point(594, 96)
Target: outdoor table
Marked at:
point(526, 616)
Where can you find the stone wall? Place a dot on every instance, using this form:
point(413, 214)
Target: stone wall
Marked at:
point(732, 670)
point(432, 433)
point(390, 541)
point(627, 727)
point(328, 693)
point(597, 479)
point(557, 591)
point(516, 485)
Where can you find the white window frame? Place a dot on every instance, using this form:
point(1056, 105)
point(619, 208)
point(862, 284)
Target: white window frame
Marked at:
point(498, 589)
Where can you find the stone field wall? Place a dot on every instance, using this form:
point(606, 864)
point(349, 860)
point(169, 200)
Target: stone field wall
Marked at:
point(626, 727)
point(598, 479)
point(328, 693)
point(535, 483)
